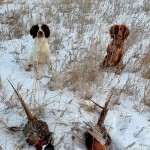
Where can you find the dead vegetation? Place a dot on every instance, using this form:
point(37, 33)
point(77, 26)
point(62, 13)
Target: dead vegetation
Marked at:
point(77, 70)
point(1, 2)
point(145, 7)
point(79, 16)
point(146, 66)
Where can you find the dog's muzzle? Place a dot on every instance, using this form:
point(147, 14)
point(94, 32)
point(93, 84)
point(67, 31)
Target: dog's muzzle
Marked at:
point(40, 34)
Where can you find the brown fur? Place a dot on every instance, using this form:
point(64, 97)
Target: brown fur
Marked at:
point(36, 131)
point(115, 49)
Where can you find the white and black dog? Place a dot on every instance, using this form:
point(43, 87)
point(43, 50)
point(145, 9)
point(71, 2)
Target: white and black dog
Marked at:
point(41, 51)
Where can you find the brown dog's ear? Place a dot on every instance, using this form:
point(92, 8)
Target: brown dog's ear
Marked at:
point(126, 31)
point(114, 30)
point(34, 30)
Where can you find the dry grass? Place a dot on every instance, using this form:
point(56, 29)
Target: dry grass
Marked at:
point(146, 66)
point(146, 7)
point(76, 16)
point(78, 75)
point(83, 73)
point(14, 21)
point(1, 83)
point(67, 2)
point(70, 22)
point(39, 110)
point(146, 59)
point(146, 98)
point(1, 2)
point(146, 102)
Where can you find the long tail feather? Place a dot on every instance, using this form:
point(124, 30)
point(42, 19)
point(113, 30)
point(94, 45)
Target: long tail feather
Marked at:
point(28, 113)
point(104, 111)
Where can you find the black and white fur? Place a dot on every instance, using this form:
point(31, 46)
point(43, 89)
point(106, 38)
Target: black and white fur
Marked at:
point(41, 51)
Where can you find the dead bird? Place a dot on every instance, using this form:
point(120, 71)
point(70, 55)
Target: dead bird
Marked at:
point(36, 131)
point(97, 137)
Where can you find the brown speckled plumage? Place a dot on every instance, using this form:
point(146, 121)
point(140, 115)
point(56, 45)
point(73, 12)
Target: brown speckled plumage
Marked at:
point(36, 131)
point(91, 142)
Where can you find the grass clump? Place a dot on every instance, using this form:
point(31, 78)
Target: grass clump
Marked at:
point(1, 2)
point(146, 66)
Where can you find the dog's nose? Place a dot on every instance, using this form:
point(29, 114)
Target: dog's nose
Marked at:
point(119, 35)
point(40, 34)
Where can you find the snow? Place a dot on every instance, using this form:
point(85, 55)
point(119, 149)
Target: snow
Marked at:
point(127, 121)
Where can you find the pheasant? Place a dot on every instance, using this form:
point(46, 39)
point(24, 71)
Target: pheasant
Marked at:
point(36, 131)
point(96, 136)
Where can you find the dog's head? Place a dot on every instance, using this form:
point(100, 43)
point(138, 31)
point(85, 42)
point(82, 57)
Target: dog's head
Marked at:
point(40, 31)
point(119, 32)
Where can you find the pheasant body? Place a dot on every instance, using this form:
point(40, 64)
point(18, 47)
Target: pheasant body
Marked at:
point(36, 131)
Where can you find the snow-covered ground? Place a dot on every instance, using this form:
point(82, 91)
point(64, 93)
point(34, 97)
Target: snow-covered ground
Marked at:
point(79, 38)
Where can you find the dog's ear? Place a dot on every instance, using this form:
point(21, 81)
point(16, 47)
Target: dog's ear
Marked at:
point(114, 30)
point(46, 30)
point(126, 31)
point(34, 30)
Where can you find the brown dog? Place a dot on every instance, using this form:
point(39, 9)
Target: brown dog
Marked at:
point(115, 49)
